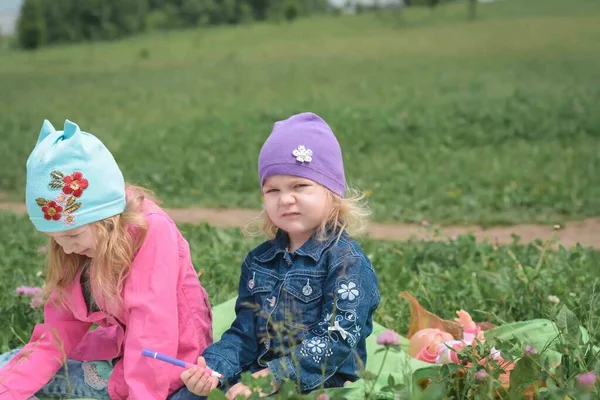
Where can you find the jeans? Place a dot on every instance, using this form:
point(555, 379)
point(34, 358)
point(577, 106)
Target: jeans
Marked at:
point(87, 379)
point(74, 380)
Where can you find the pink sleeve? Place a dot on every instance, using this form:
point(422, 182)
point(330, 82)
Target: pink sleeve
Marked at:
point(151, 305)
point(427, 356)
point(45, 353)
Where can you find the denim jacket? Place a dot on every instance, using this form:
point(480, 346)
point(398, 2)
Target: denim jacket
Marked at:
point(305, 315)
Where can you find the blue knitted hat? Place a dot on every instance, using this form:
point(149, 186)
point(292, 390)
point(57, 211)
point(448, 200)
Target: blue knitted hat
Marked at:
point(72, 180)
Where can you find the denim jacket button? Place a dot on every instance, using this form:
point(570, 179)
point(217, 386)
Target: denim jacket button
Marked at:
point(251, 281)
point(307, 290)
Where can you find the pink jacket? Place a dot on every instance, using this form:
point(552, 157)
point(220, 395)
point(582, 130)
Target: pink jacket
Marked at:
point(166, 310)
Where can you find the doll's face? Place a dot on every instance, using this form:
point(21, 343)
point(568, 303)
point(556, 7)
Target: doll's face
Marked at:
point(425, 337)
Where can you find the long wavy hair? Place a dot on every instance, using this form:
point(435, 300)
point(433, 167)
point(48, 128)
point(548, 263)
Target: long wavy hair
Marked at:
point(118, 239)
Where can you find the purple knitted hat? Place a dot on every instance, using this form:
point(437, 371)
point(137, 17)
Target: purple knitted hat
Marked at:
point(303, 145)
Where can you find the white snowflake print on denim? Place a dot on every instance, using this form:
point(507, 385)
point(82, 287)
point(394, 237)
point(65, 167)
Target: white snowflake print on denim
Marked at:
point(342, 324)
point(316, 348)
point(344, 327)
point(349, 290)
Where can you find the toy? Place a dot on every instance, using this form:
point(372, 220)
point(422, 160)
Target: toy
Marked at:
point(437, 346)
point(436, 339)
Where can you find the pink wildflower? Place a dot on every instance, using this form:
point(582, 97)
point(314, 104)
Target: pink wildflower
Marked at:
point(28, 291)
point(36, 301)
point(323, 396)
point(587, 380)
point(481, 374)
point(530, 350)
point(388, 338)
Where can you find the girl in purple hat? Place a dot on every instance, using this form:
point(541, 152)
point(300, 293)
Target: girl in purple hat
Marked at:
point(307, 295)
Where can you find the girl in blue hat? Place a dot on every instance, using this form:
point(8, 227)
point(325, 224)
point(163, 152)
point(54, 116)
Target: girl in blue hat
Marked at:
point(115, 260)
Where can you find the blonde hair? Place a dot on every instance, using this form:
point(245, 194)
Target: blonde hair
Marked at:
point(118, 239)
point(348, 214)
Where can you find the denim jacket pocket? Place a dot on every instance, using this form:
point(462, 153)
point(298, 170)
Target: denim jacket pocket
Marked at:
point(302, 301)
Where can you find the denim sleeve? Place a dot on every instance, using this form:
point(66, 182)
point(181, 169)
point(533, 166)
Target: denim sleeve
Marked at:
point(238, 345)
point(350, 294)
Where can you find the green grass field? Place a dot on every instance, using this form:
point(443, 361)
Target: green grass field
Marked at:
point(496, 284)
point(440, 118)
point(492, 121)
point(503, 284)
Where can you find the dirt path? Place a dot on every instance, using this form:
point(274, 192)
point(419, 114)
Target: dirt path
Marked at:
point(586, 232)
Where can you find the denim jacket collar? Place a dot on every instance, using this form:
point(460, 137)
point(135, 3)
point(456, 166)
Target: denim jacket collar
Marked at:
point(313, 248)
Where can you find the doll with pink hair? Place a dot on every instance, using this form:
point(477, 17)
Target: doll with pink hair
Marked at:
point(439, 347)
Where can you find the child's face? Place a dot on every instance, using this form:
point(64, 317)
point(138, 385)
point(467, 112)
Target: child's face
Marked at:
point(296, 205)
point(78, 240)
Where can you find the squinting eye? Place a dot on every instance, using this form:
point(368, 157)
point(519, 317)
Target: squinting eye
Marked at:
point(272, 190)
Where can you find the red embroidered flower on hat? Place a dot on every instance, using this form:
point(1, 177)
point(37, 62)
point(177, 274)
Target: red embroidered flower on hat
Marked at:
point(52, 211)
point(65, 204)
point(75, 184)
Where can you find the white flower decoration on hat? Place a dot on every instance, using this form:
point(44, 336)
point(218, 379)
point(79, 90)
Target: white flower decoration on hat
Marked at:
point(303, 154)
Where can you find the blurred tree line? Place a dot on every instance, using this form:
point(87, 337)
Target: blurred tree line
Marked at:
point(44, 22)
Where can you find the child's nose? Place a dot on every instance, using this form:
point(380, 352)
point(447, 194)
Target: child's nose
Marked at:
point(67, 248)
point(287, 198)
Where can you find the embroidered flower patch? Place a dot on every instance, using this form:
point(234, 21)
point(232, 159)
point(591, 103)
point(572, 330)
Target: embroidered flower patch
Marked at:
point(96, 374)
point(302, 154)
point(64, 205)
point(51, 210)
point(75, 184)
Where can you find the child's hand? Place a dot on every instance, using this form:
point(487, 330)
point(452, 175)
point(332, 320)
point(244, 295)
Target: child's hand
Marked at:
point(198, 381)
point(238, 389)
point(465, 320)
point(241, 389)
